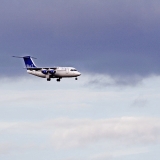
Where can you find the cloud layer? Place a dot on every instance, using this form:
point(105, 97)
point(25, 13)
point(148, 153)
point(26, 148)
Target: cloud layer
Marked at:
point(66, 133)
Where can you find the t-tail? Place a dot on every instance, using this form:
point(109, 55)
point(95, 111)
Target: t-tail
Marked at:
point(28, 61)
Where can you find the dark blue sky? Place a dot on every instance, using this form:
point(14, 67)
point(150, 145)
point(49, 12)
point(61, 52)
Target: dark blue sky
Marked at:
point(107, 37)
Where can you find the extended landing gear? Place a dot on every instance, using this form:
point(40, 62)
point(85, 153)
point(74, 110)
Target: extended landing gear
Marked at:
point(76, 78)
point(48, 77)
point(58, 80)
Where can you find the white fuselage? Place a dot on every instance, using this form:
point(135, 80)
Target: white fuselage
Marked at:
point(60, 72)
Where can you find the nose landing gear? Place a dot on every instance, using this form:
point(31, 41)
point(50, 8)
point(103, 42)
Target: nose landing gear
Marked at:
point(58, 80)
point(76, 78)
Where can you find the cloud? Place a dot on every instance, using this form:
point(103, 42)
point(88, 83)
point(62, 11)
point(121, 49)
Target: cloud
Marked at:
point(100, 80)
point(140, 102)
point(124, 131)
point(114, 154)
point(65, 133)
point(9, 148)
point(102, 157)
point(5, 148)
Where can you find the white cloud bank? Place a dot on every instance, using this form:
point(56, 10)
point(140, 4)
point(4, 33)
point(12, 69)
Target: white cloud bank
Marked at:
point(126, 131)
point(65, 133)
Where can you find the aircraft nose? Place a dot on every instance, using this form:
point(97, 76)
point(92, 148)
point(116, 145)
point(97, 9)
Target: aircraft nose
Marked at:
point(79, 73)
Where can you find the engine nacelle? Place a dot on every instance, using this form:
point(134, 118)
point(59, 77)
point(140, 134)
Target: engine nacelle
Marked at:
point(52, 71)
point(44, 71)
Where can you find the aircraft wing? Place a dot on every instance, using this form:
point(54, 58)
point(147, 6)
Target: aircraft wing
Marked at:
point(37, 69)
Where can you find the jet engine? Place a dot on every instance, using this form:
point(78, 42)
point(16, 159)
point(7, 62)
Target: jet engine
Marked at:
point(44, 71)
point(52, 71)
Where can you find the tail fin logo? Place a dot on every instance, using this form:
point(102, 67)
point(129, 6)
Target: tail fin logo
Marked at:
point(30, 66)
point(29, 62)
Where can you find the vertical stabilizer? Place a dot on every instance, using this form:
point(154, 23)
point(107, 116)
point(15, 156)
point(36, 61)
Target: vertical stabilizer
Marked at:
point(29, 62)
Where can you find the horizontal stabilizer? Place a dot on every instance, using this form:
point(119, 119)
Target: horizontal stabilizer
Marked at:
point(28, 61)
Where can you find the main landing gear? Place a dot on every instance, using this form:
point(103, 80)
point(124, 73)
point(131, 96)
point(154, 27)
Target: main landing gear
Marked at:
point(58, 80)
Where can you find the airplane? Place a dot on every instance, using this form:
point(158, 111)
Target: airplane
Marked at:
point(49, 72)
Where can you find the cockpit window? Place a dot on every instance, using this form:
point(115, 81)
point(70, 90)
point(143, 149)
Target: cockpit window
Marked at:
point(73, 70)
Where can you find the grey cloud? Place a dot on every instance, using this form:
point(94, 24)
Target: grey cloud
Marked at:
point(116, 38)
point(120, 81)
point(140, 102)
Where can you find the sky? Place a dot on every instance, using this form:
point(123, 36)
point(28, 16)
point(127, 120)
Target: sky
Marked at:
point(112, 111)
